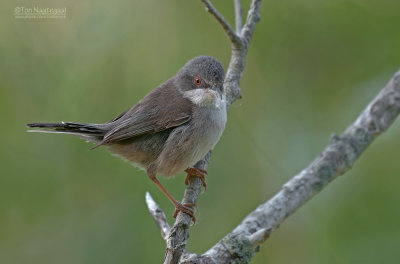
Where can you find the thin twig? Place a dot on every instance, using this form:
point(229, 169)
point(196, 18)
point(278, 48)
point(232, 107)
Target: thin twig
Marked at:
point(238, 16)
point(253, 16)
point(158, 216)
point(225, 25)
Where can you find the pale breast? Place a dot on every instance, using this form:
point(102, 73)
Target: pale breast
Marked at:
point(190, 143)
point(210, 119)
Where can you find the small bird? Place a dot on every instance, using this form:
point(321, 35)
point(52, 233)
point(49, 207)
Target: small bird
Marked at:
point(169, 130)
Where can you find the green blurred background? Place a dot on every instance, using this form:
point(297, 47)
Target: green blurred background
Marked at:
point(311, 68)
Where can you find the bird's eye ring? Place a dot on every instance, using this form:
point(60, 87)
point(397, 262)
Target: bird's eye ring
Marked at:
point(197, 81)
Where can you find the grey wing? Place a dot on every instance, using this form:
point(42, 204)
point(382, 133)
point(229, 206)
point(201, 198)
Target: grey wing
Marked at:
point(137, 125)
point(154, 113)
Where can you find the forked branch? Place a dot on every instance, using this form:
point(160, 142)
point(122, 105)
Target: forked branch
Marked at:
point(234, 38)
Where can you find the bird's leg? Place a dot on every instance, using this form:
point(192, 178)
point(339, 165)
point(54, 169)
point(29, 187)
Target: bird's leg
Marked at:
point(178, 206)
point(195, 172)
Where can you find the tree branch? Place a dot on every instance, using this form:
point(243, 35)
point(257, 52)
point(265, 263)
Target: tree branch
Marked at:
point(176, 242)
point(253, 16)
point(158, 216)
point(238, 16)
point(338, 157)
point(234, 38)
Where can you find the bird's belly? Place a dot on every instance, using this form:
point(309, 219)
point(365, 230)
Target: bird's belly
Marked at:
point(189, 143)
point(208, 135)
point(140, 151)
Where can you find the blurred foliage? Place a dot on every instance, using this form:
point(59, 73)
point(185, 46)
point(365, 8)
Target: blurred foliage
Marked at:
point(311, 68)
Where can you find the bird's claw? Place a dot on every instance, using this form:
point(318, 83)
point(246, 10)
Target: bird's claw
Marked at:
point(184, 208)
point(195, 172)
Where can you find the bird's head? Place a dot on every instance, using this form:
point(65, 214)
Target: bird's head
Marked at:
point(202, 72)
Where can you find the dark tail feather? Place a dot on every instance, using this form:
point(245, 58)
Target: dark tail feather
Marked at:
point(92, 132)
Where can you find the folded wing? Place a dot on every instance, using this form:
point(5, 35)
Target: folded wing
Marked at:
point(161, 109)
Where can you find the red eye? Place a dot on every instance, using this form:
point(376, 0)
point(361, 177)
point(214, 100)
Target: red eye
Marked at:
point(197, 81)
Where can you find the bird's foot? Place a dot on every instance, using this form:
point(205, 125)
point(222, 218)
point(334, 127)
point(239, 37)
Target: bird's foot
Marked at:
point(195, 172)
point(184, 208)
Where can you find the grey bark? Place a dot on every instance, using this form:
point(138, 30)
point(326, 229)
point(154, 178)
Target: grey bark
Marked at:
point(240, 245)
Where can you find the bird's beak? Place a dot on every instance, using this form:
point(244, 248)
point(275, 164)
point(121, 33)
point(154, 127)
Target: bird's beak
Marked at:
point(216, 88)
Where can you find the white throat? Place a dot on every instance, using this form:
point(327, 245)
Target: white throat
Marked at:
point(205, 97)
